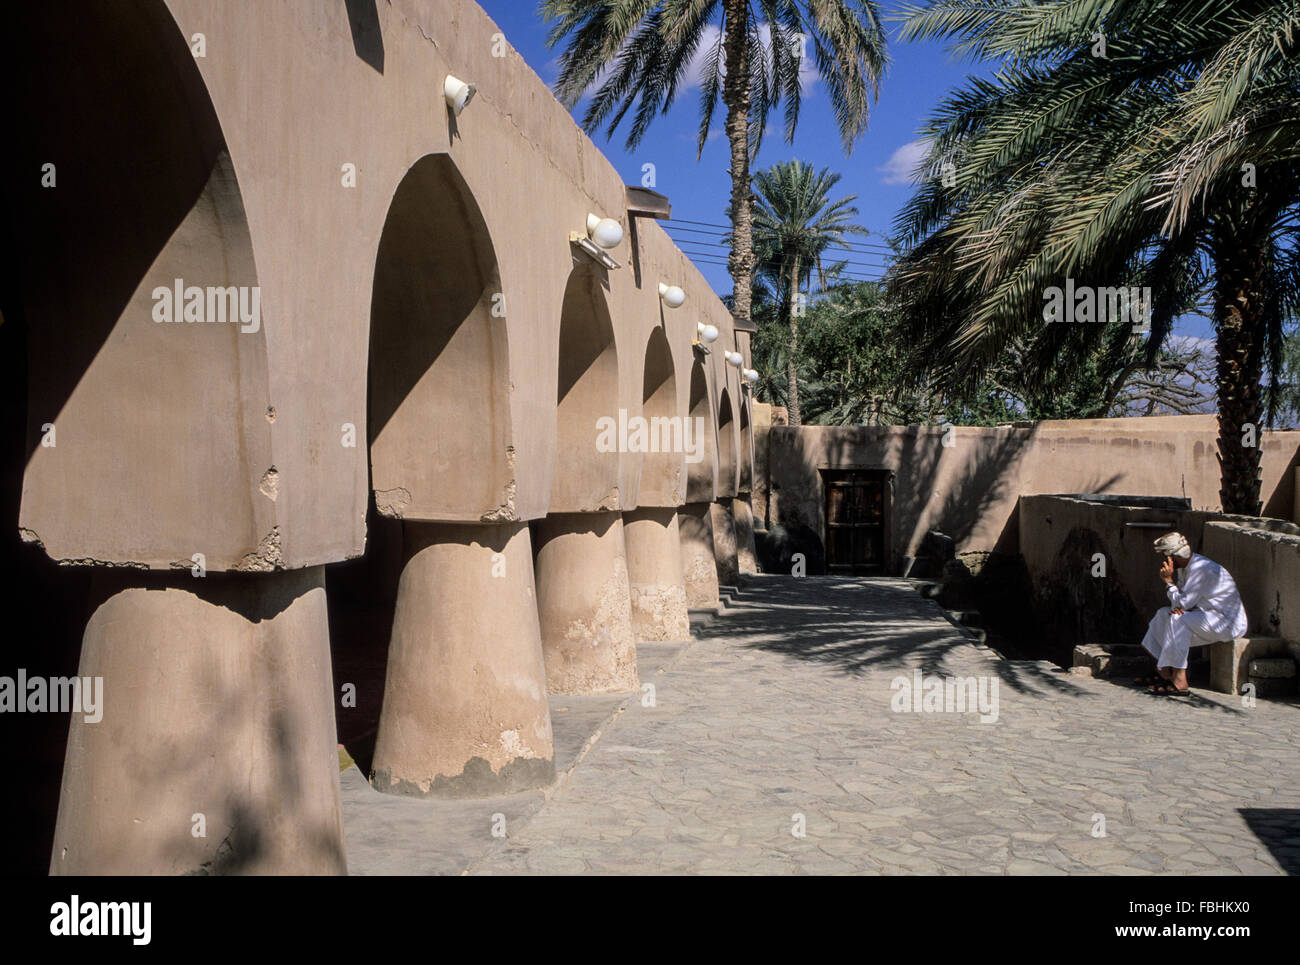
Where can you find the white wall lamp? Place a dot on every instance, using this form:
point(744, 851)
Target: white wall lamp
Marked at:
point(458, 93)
point(606, 232)
point(736, 359)
point(672, 296)
point(751, 375)
point(704, 334)
point(602, 233)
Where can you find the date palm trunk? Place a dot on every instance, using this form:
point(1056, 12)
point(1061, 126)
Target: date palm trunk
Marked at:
point(735, 95)
point(792, 366)
point(1239, 306)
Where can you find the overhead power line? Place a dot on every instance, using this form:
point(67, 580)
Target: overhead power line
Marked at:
point(721, 252)
point(721, 230)
point(724, 256)
point(846, 273)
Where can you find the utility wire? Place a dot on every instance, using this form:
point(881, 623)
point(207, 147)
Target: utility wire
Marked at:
point(723, 239)
point(725, 230)
point(771, 261)
point(776, 262)
point(851, 275)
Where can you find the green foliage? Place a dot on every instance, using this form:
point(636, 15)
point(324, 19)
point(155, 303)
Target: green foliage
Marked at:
point(632, 56)
point(856, 363)
point(795, 218)
point(1289, 382)
point(1117, 170)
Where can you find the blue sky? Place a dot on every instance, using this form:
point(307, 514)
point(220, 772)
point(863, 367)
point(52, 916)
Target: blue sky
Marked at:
point(920, 74)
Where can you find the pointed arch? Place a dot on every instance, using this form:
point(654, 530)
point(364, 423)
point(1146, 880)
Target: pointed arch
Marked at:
point(585, 477)
point(661, 471)
point(701, 475)
point(726, 446)
point(438, 389)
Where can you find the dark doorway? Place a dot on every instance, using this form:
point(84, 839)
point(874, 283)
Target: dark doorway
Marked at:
point(857, 516)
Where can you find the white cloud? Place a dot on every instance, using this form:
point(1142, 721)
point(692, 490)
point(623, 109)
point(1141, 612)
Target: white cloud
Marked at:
point(905, 164)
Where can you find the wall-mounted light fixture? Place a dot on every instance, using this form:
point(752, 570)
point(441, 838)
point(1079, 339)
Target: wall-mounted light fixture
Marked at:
point(606, 232)
point(672, 296)
point(704, 334)
point(751, 375)
point(736, 359)
point(458, 93)
point(601, 233)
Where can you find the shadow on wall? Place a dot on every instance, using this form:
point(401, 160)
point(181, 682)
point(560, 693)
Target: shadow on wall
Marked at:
point(934, 487)
point(661, 471)
point(437, 355)
point(1281, 503)
point(968, 483)
point(123, 89)
point(362, 598)
point(123, 86)
point(977, 482)
point(585, 478)
point(699, 475)
point(1074, 606)
point(367, 40)
point(727, 446)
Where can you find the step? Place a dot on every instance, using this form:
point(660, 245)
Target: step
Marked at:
point(1230, 660)
point(1273, 676)
point(1270, 667)
point(1122, 660)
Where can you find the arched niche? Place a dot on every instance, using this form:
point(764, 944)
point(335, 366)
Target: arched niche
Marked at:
point(746, 483)
point(726, 446)
point(700, 472)
point(125, 191)
point(438, 366)
point(586, 401)
point(661, 467)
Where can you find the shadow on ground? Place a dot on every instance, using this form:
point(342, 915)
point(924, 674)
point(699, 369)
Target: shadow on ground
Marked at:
point(862, 624)
point(1278, 829)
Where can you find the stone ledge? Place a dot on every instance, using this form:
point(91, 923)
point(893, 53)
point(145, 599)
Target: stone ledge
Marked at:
point(1279, 667)
point(1230, 660)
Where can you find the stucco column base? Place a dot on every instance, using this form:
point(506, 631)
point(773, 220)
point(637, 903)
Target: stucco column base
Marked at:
point(724, 543)
point(746, 551)
point(654, 568)
point(699, 570)
point(465, 712)
point(584, 604)
point(216, 753)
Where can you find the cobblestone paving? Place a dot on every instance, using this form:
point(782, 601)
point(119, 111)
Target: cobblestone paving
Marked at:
point(782, 708)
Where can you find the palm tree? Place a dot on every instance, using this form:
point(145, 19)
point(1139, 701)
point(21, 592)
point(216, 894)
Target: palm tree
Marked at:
point(1164, 157)
point(638, 53)
point(794, 223)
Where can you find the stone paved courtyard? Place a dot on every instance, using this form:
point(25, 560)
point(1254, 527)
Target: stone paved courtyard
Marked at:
point(781, 706)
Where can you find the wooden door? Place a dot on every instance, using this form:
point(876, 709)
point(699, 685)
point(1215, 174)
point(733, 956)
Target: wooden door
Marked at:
point(855, 519)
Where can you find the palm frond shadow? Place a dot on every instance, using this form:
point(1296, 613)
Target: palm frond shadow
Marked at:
point(862, 625)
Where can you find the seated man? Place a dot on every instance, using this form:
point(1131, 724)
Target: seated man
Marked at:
point(1204, 607)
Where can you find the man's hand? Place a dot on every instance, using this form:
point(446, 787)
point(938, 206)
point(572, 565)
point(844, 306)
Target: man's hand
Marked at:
point(1167, 569)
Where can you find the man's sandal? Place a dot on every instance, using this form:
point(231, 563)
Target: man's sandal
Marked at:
point(1168, 690)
